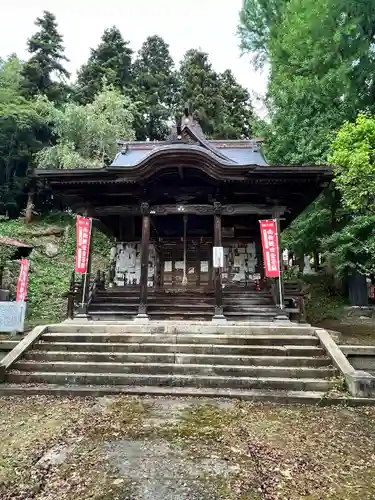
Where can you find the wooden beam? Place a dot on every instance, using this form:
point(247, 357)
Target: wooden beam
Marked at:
point(193, 209)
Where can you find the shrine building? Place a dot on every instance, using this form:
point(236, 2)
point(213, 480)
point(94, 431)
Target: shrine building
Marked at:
point(168, 205)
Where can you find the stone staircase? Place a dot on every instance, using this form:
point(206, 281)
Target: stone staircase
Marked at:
point(240, 304)
point(272, 363)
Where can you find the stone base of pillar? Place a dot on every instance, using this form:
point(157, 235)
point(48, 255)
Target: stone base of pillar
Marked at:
point(141, 318)
point(219, 318)
point(82, 316)
point(282, 318)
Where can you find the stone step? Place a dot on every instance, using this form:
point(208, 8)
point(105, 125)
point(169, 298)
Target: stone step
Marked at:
point(173, 368)
point(267, 395)
point(80, 378)
point(181, 328)
point(243, 340)
point(151, 357)
point(168, 348)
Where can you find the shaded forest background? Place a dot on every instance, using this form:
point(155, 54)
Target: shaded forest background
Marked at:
point(320, 55)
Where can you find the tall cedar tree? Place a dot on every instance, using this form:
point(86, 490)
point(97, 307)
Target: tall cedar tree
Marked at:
point(238, 114)
point(154, 89)
point(217, 101)
point(109, 63)
point(47, 54)
point(199, 86)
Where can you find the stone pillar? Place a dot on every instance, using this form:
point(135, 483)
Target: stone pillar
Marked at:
point(142, 309)
point(219, 312)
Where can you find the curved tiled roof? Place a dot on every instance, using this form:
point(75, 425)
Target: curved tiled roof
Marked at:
point(236, 153)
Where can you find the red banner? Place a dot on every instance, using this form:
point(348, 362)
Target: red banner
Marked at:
point(83, 234)
point(22, 281)
point(270, 248)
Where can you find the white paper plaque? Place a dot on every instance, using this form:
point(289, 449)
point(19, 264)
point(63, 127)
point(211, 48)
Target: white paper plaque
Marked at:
point(218, 257)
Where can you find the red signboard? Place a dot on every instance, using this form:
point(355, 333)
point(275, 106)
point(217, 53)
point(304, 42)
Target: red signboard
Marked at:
point(83, 233)
point(270, 248)
point(22, 281)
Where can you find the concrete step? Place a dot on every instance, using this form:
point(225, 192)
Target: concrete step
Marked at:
point(151, 357)
point(173, 368)
point(182, 328)
point(183, 339)
point(262, 395)
point(80, 378)
point(266, 395)
point(173, 348)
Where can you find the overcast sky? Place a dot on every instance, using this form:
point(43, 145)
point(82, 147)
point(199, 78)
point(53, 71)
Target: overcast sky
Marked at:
point(206, 24)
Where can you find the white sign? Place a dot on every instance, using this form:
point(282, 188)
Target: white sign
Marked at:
point(218, 257)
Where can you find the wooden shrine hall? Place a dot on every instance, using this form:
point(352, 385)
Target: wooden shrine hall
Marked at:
point(168, 204)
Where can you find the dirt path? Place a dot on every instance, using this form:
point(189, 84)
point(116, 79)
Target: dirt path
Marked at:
point(177, 449)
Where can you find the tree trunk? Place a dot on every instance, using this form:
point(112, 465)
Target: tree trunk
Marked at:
point(29, 207)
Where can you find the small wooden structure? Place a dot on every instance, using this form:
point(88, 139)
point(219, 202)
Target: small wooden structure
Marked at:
point(169, 203)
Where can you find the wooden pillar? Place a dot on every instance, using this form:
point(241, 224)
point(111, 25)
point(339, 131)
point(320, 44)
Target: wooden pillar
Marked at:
point(142, 309)
point(219, 312)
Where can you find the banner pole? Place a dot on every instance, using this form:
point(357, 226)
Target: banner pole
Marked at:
point(277, 224)
point(84, 290)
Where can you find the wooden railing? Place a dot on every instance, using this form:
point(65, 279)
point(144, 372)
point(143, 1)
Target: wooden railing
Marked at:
point(76, 287)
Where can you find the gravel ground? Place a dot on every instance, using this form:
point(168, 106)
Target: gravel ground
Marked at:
point(127, 448)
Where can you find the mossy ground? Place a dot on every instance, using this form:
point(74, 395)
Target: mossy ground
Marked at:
point(272, 452)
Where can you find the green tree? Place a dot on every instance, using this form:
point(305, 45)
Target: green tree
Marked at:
point(86, 134)
point(110, 62)
point(257, 21)
point(237, 116)
point(46, 61)
point(353, 157)
point(154, 89)
point(222, 107)
point(321, 61)
point(22, 133)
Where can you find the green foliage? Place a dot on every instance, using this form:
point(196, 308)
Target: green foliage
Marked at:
point(321, 70)
point(110, 62)
point(323, 217)
point(22, 133)
point(222, 107)
point(47, 54)
point(154, 88)
point(86, 135)
point(353, 157)
point(49, 276)
point(324, 300)
point(236, 116)
point(322, 67)
point(257, 20)
point(353, 247)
